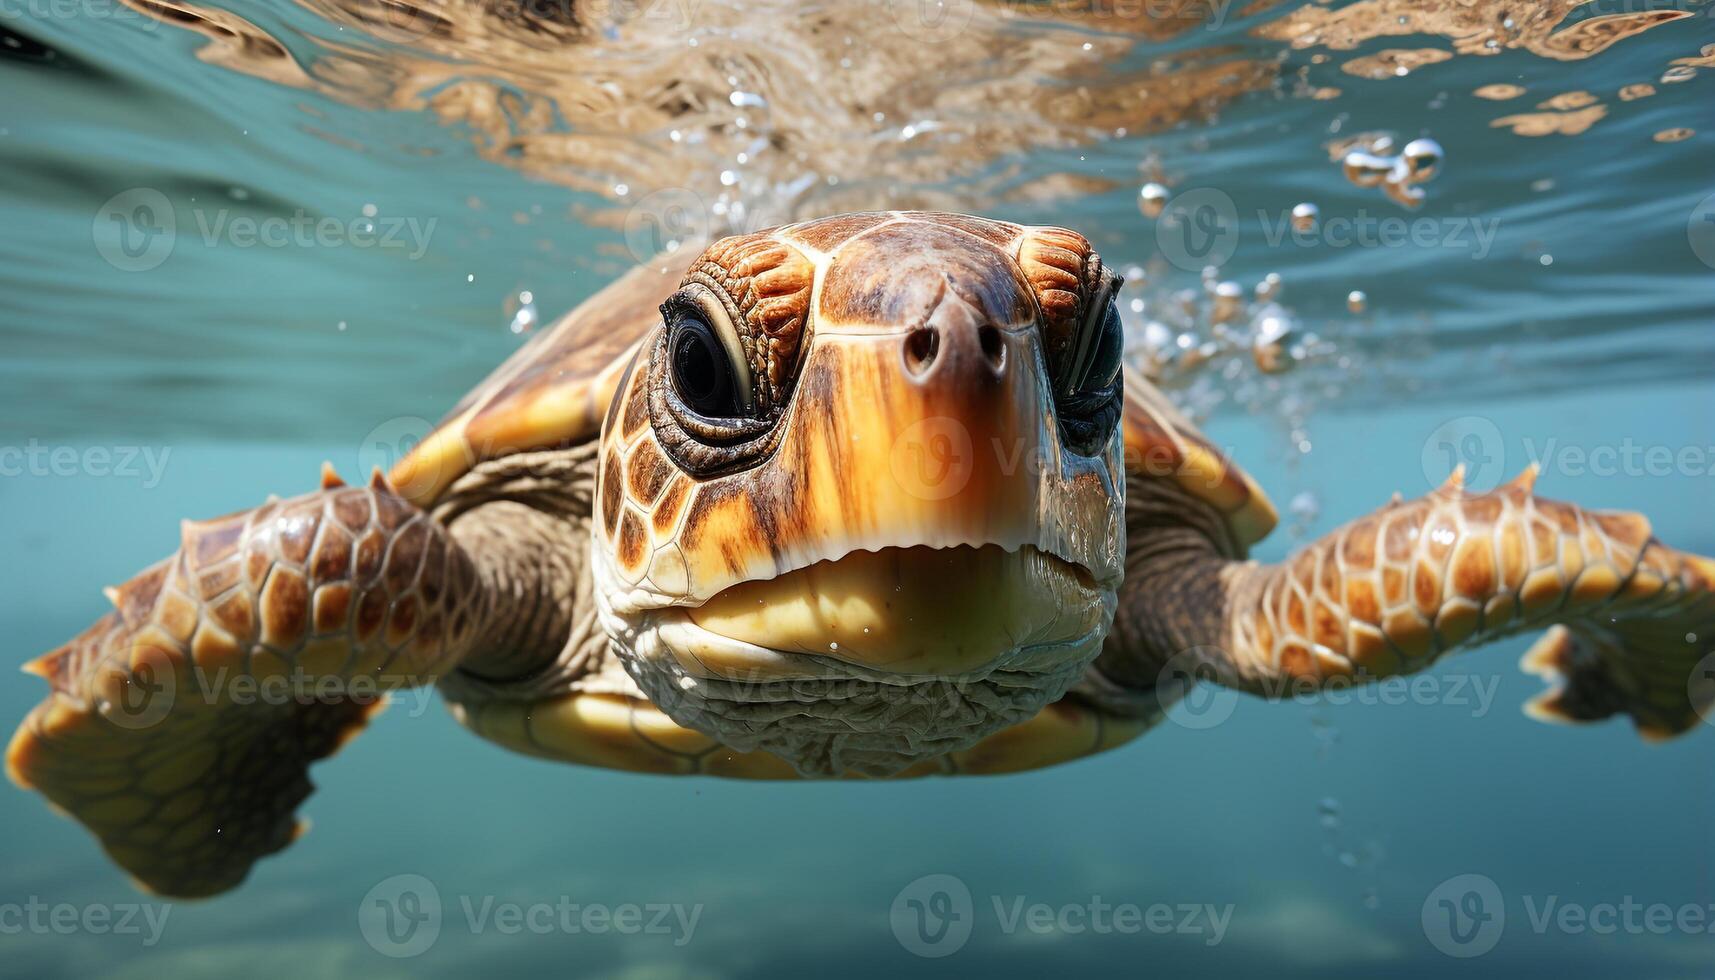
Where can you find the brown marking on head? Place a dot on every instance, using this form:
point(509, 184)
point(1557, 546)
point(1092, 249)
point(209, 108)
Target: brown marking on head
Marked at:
point(646, 472)
point(1002, 234)
point(612, 492)
point(894, 277)
point(828, 234)
point(636, 408)
point(671, 507)
point(631, 543)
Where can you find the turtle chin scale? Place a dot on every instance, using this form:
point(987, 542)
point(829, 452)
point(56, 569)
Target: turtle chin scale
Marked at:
point(829, 717)
point(867, 723)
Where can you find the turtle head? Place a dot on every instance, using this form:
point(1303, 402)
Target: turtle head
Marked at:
point(860, 496)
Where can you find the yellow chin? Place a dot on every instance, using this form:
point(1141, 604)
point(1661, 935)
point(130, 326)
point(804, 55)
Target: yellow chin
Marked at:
point(939, 611)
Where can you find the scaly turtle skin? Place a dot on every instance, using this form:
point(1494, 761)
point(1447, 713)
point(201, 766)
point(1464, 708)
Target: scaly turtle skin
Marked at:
point(864, 496)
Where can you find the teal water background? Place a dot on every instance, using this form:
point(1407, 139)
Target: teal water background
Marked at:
point(1327, 828)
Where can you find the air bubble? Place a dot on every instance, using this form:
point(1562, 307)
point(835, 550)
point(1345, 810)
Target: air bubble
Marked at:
point(1151, 200)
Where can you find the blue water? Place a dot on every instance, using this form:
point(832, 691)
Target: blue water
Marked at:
point(1321, 834)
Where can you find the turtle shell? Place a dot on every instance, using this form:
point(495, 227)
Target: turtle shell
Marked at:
point(553, 391)
point(1160, 442)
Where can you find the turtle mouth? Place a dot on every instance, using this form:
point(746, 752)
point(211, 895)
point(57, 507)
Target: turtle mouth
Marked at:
point(876, 660)
point(919, 611)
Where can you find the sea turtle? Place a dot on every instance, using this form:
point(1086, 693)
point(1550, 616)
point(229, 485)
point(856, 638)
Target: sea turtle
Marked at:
point(870, 495)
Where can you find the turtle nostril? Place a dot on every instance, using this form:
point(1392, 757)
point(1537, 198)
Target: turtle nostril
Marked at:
point(994, 348)
point(920, 348)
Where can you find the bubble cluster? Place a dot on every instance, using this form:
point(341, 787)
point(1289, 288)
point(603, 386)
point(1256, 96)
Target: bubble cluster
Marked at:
point(1189, 328)
point(1371, 162)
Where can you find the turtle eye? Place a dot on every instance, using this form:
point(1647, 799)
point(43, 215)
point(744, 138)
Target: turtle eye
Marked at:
point(707, 367)
point(1100, 348)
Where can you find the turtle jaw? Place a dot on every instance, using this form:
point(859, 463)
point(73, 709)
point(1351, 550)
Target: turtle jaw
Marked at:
point(875, 661)
point(942, 612)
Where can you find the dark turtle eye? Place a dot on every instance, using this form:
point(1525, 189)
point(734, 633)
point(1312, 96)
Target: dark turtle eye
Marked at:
point(1087, 398)
point(1106, 350)
point(1099, 349)
point(703, 371)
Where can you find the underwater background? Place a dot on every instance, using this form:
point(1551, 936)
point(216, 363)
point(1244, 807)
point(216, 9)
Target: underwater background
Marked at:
point(241, 238)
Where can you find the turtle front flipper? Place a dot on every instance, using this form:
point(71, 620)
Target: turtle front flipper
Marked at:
point(1632, 619)
point(181, 725)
